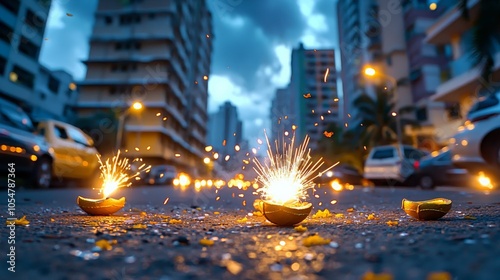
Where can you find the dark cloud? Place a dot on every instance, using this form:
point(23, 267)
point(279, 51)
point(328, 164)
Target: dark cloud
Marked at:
point(327, 8)
point(67, 45)
point(246, 32)
point(239, 51)
point(280, 20)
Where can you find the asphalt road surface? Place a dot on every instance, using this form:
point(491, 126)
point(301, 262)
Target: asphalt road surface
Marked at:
point(151, 240)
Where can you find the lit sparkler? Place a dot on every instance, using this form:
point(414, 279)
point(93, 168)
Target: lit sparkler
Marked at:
point(326, 74)
point(115, 173)
point(289, 174)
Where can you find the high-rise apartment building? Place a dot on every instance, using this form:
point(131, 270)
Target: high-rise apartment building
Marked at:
point(359, 44)
point(312, 92)
point(43, 93)
point(225, 129)
point(460, 80)
point(426, 63)
point(280, 109)
point(157, 53)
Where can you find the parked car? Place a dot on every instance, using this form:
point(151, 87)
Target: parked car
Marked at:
point(437, 169)
point(31, 154)
point(476, 146)
point(391, 163)
point(162, 175)
point(75, 156)
point(344, 173)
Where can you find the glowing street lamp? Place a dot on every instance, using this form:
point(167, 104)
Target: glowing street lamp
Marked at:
point(371, 72)
point(137, 106)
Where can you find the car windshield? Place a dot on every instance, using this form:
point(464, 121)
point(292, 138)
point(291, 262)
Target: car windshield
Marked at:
point(383, 153)
point(16, 117)
point(79, 137)
point(487, 102)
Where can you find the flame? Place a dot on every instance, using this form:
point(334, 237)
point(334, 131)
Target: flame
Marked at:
point(115, 173)
point(336, 186)
point(289, 174)
point(484, 181)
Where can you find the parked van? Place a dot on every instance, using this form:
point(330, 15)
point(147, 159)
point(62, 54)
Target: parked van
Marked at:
point(391, 163)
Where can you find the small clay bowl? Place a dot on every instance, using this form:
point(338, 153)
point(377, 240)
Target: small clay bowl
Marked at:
point(100, 207)
point(282, 215)
point(431, 209)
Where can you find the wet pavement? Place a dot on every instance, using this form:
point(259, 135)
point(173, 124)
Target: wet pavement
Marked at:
point(218, 235)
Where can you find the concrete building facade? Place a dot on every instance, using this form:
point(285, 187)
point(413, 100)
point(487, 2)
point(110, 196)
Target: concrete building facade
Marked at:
point(40, 91)
point(359, 44)
point(314, 102)
point(158, 53)
point(460, 80)
point(225, 129)
point(279, 114)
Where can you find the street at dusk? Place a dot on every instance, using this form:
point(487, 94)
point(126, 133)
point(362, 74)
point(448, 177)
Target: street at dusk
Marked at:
point(250, 139)
point(150, 240)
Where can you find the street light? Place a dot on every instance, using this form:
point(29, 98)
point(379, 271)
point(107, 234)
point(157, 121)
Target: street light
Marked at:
point(371, 72)
point(137, 106)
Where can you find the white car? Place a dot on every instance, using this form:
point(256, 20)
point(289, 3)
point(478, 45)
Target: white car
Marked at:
point(391, 164)
point(476, 146)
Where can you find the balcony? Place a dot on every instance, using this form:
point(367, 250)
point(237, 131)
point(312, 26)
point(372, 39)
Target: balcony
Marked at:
point(451, 24)
point(464, 82)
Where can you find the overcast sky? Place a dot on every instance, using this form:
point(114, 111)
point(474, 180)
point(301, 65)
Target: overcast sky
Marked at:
point(252, 47)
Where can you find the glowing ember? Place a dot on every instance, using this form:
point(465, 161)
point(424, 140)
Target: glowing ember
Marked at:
point(336, 186)
point(326, 74)
point(289, 174)
point(484, 181)
point(115, 173)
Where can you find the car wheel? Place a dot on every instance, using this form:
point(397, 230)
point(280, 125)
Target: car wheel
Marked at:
point(426, 182)
point(43, 173)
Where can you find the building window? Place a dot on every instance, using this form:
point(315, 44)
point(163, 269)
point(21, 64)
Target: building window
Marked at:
point(11, 5)
point(23, 76)
point(54, 84)
point(454, 111)
point(108, 20)
point(129, 45)
point(415, 74)
point(5, 32)
point(130, 19)
point(421, 114)
point(34, 21)
point(28, 48)
point(388, 60)
point(3, 63)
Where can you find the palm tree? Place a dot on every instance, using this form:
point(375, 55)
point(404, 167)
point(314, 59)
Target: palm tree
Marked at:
point(486, 34)
point(377, 124)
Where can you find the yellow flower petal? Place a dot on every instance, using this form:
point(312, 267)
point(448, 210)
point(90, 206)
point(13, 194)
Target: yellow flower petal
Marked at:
point(103, 244)
point(322, 214)
point(374, 276)
point(392, 223)
point(206, 242)
point(139, 226)
point(300, 228)
point(18, 222)
point(315, 240)
point(244, 220)
point(174, 221)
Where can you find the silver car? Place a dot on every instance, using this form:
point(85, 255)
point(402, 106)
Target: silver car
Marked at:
point(476, 146)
